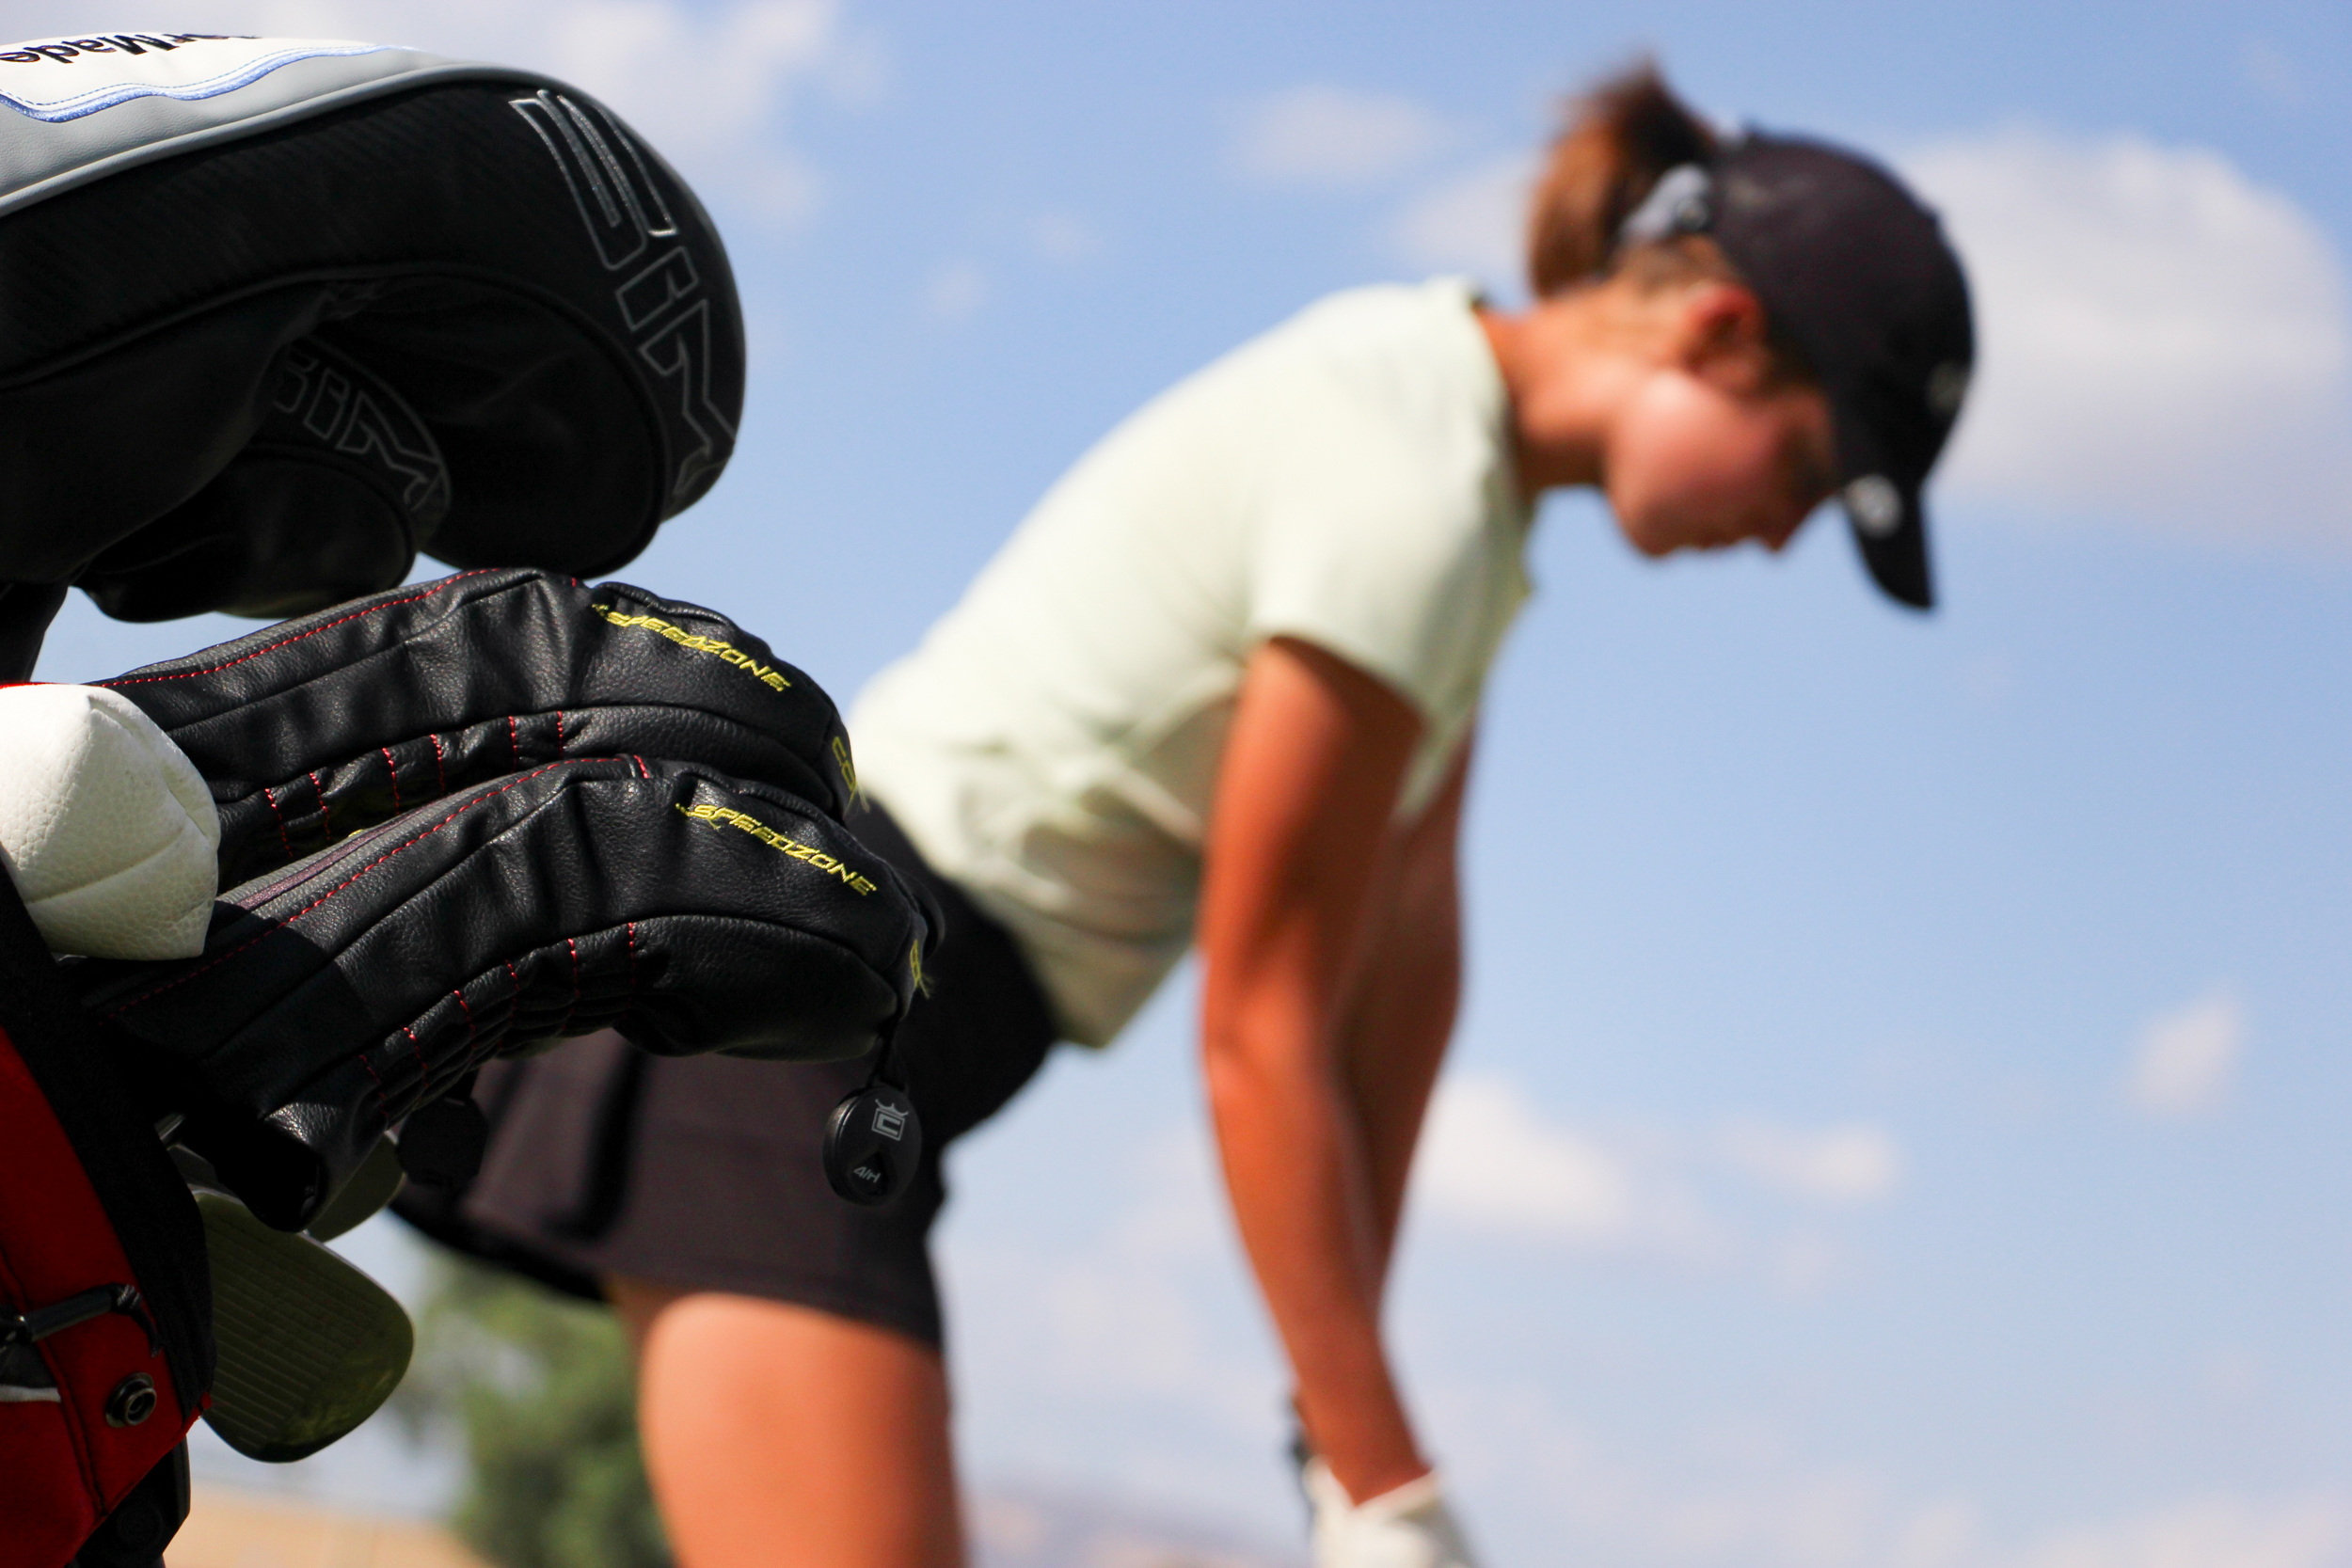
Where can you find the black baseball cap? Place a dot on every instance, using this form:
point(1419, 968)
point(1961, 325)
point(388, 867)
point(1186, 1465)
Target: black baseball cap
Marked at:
point(1857, 275)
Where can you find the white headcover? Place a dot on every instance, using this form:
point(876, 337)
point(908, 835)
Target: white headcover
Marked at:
point(106, 826)
point(165, 93)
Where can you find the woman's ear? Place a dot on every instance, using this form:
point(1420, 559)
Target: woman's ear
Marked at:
point(1722, 334)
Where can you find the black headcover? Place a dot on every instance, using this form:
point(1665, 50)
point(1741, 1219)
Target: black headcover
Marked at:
point(486, 813)
point(316, 727)
point(692, 911)
point(277, 314)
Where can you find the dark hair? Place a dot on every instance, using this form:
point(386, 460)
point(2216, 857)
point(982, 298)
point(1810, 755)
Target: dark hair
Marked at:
point(1620, 137)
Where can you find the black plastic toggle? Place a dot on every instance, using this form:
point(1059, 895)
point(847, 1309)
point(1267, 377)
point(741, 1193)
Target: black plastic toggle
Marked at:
point(873, 1141)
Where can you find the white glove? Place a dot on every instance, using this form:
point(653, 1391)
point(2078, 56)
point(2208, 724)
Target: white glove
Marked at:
point(106, 826)
point(1408, 1527)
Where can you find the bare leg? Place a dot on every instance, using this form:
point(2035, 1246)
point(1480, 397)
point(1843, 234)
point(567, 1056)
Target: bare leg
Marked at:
point(779, 1435)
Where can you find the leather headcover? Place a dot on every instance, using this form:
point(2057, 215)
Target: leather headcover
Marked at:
point(692, 911)
point(277, 314)
point(482, 814)
point(312, 729)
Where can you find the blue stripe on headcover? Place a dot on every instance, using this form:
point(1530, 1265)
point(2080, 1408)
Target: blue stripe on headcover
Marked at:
point(91, 106)
point(157, 58)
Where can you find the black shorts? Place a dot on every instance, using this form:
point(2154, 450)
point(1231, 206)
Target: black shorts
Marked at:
point(704, 1172)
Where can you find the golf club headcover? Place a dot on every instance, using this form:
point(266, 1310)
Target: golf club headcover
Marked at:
point(106, 829)
point(276, 314)
point(693, 912)
point(315, 728)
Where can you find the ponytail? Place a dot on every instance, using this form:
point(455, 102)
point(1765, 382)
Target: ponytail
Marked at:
point(1620, 137)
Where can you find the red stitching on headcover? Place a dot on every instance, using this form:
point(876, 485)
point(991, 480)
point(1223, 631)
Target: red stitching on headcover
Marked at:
point(513, 747)
point(559, 732)
point(383, 1106)
point(393, 768)
point(642, 771)
point(471, 1033)
point(417, 1046)
point(355, 615)
point(326, 823)
point(281, 823)
point(574, 1008)
point(631, 927)
point(440, 770)
point(288, 920)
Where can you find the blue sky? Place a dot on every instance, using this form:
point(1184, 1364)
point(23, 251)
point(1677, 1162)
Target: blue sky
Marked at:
point(1899, 1117)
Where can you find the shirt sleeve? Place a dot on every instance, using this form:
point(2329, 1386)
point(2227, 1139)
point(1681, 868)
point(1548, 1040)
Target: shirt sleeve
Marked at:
point(1370, 542)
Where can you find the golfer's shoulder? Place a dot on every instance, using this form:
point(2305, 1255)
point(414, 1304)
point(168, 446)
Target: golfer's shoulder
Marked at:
point(1395, 380)
point(1382, 342)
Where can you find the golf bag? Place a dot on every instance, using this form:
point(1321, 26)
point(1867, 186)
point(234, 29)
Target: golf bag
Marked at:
point(276, 317)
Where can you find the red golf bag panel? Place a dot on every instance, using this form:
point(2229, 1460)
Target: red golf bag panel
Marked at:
point(70, 1451)
point(105, 1342)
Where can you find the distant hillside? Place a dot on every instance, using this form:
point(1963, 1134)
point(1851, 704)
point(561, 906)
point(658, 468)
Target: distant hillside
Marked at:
point(1045, 1530)
point(232, 1529)
point(228, 1529)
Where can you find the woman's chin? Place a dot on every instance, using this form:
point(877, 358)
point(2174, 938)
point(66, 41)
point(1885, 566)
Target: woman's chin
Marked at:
point(1658, 543)
point(1645, 535)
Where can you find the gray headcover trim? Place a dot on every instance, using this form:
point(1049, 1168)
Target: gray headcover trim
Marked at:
point(77, 110)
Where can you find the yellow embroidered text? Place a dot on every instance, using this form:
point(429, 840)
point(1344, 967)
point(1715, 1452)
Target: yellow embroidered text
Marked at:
point(726, 653)
point(721, 817)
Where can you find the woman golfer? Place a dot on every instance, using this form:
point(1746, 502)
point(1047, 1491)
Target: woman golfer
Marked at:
point(1218, 689)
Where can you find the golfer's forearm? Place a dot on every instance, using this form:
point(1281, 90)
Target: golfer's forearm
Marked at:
point(1390, 1054)
point(1401, 1011)
point(1294, 1165)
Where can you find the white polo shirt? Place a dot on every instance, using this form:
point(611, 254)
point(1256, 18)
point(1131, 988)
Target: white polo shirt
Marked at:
point(1053, 743)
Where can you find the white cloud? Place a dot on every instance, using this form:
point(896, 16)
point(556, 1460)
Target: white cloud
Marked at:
point(2185, 1061)
point(1938, 1536)
point(2213, 1532)
point(1491, 1161)
point(955, 291)
point(1130, 1346)
point(709, 87)
point(2272, 73)
point(1488, 1160)
point(1333, 138)
point(1471, 222)
point(2162, 338)
point(1065, 238)
point(1841, 1165)
point(1744, 1495)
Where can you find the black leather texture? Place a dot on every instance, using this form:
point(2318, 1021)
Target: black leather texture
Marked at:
point(479, 319)
point(692, 911)
point(315, 728)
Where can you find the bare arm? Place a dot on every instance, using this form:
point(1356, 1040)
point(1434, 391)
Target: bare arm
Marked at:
point(1305, 887)
point(1402, 1009)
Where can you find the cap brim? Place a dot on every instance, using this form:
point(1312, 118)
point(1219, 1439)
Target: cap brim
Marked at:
point(1897, 557)
point(1882, 506)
